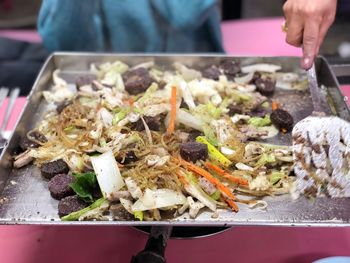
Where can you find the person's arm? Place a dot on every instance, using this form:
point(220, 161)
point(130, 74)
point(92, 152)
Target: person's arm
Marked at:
point(71, 25)
point(308, 22)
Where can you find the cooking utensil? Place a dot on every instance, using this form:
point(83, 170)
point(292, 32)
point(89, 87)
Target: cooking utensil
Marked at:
point(12, 100)
point(28, 201)
point(320, 149)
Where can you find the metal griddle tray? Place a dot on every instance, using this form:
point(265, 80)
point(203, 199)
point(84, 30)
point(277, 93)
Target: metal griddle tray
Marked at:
point(25, 199)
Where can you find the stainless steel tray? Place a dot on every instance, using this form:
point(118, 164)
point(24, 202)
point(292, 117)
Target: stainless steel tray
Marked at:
point(24, 198)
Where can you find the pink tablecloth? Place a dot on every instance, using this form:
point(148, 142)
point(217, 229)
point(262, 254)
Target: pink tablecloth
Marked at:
point(37, 244)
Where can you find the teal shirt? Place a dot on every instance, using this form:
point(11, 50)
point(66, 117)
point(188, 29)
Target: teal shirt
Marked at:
point(131, 25)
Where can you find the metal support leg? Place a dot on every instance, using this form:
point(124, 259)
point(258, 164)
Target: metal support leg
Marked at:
point(155, 247)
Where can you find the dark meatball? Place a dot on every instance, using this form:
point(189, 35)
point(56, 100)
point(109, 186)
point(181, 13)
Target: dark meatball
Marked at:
point(193, 135)
point(233, 109)
point(230, 68)
point(60, 107)
point(193, 151)
point(128, 157)
point(27, 143)
point(69, 205)
point(282, 119)
point(153, 124)
point(265, 85)
point(85, 80)
point(59, 186)
point(211, 73)
point(137, 81)
point(49, 170)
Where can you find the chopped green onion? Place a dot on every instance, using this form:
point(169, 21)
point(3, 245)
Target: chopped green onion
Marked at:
point(260, 122)
point(75, 215)
point(214, 154)
point(216, 195)
point(138, 215)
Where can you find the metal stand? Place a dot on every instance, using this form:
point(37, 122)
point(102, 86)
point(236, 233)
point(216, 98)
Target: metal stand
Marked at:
point(155, 246)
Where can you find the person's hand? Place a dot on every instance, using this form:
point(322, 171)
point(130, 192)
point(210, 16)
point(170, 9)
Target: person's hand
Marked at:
point(307, 23)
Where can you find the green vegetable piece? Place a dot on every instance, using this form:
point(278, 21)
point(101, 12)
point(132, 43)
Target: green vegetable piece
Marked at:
point(210, 135)
point(120, 116)
point(117, 67)
point(89, 102)
point(69, 128)
point(265, 105)
point(75, 215)
point(103, 142)
point(214, 154)
point(216, 195)
point(214, 112)
point(269, 147)
point(240, 96)
point(148, 93)
point(275, 177)
point(191, 178)
point(260, 122)
point(84, 184)
point(265, 159)
point(138, 215)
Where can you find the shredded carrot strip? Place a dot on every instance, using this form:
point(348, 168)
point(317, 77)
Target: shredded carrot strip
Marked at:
point(181, 178)
point(274, 105)
point(131, 101)
point(171, 126)
point(232, 205)
point(198, 170)
point(234, 179)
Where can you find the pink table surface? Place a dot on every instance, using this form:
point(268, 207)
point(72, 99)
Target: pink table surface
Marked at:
point(23, 35)
point(39, 244)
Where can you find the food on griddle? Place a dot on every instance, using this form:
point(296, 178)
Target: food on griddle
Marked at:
point(127, 158)
point(211, 72)
point(70, 204)
point(193, 151)
point(234, 108)
point(50, 169)
point(265, 85)
point(137, 81)
point(59, 186)
point(282, 119)
point(119, 213)
point(85, 80)
point(258, 111)
point(32, 140)
point(153, 123)
point(61, 106)
point(193, 134)
point(230, 68)
point(144, 142)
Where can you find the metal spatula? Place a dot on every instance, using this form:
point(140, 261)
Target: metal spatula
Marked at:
point(321, 149)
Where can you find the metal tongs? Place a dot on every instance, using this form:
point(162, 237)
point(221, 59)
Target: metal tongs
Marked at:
point(321, 148)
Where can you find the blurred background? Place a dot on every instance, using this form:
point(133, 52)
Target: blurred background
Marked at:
point(244, 23)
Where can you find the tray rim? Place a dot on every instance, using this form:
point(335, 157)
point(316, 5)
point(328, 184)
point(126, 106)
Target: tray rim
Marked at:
point(189, 223)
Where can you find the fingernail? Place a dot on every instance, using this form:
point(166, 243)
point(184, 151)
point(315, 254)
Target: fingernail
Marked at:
point(306, 63)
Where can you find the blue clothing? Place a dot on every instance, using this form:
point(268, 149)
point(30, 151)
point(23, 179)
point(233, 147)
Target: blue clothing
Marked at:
point(131, 25)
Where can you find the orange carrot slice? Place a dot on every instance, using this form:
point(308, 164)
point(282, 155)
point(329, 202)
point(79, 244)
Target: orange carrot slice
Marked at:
point(234, 179)
point(171, 126)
